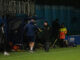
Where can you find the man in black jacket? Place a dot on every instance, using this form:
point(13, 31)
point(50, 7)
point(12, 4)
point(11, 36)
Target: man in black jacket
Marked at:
point(55, 31)
point(3, 41)
point(46, 36)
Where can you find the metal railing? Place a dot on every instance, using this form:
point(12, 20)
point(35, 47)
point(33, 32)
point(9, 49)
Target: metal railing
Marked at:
point(17, 7)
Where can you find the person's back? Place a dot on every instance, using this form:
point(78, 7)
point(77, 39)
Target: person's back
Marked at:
point(30, 34)
point(55, 28)
point(30, 29)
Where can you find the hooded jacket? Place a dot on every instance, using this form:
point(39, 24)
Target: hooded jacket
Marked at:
point(30, 29)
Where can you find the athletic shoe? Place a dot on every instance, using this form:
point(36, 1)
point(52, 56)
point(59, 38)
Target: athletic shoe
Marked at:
point(6, 53)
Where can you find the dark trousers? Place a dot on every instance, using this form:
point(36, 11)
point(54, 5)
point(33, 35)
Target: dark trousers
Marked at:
point(61, 42)
point(4, 46)
point(46, 46)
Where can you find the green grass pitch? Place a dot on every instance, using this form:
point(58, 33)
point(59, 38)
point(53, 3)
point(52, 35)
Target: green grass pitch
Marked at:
point(54, 54)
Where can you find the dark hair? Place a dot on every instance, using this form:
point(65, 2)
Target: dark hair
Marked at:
point(45, 22)
point(57, 19)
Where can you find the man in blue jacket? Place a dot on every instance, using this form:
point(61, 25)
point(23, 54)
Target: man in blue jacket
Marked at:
point(31, 29)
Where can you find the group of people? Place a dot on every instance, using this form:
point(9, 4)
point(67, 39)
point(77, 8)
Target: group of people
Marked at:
point(56, 31)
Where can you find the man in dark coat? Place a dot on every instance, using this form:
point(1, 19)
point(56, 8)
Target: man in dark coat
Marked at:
point(55, 31)
point(46, 36)
point(31, 33)
point(3, 41)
